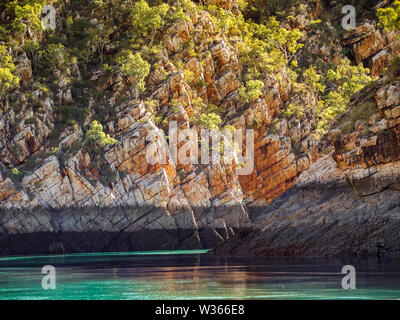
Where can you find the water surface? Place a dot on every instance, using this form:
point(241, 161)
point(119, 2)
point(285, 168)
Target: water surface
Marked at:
point(194, 275)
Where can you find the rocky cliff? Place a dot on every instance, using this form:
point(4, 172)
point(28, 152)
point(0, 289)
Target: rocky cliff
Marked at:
point(56, 194)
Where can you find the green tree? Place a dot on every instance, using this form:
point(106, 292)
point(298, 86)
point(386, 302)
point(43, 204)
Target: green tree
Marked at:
point(7, 78)
point(100, 37)
point(210, 121)
point(260, 10)
point(389, 18)
point(313, 80)
point(96, 137)
point(26, 16)
point(78, 34)
point(285, 40)
point(34, 49)
point(226, 22)
point(134, 68)
point(146, 20)
point(55, 54)
point(268, 46)
point(346, 80)
point(252, 91)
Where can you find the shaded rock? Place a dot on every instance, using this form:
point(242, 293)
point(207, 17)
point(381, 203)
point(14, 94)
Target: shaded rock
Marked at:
point(56, 247)
point(320, 215)
point(23, 68)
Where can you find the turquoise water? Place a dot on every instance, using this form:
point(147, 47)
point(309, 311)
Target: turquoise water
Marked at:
point(193, 275)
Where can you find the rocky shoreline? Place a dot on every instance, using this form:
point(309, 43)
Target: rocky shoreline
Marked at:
point(320, 215)
point(73, 230)
point(98, 241)
point(323, 218)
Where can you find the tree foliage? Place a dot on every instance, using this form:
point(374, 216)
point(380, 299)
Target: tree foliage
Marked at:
point(269, 47)
point(135, 68)
point(252, 91)
point(147, 20)
point(346, 80)
point(100, 37)
point(7, 77)
point(389, 18)
point(260, 10)
point(25, 16)
point(210, 120)
point(265, 46)
point(95, 136)
point(332, 91)
point(313, 80)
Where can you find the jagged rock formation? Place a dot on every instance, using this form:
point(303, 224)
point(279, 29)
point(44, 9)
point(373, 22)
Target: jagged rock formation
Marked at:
point(370, 155)
point(372, 46)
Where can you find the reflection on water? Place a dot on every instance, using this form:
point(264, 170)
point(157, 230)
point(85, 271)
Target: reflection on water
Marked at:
point(193, 275)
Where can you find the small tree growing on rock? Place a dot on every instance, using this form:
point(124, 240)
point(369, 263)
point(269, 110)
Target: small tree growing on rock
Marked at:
point(147, 20)
point(135, 70)
point(27, 16)
point(100, 37)
point(210, 121)
point(347, 80)
point(96, 137)
point(7, 77)
point(252, 91)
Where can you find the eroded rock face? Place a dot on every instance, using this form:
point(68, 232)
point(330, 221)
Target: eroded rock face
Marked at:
point(156, 205)
point(373, 46)
point(23, 136)
point(196, 205)
point(275, 170)
point(370, 155)
point(23, 68)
